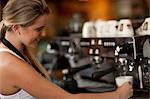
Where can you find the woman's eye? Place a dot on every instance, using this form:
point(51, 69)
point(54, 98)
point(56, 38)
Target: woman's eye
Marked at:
point(39, 30)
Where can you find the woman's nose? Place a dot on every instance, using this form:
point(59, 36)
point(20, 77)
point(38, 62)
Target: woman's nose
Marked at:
point(43, 34)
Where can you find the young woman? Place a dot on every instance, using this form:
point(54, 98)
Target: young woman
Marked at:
point(21, 77)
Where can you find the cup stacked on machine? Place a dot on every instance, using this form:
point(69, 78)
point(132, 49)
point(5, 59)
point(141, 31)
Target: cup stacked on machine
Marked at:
point(125, 28)
point(144, 29)
point(88, 30)
point(111, 28)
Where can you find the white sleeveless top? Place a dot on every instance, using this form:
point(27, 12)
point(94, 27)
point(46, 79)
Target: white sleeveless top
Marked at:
point(22, 94)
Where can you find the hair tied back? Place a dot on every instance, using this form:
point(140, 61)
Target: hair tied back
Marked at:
point(2, 30)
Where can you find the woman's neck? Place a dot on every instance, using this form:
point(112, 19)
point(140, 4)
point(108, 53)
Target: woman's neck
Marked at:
point(14, 41)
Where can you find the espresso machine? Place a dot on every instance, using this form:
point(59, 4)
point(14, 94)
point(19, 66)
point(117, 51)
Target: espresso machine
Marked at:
point(127, 56)
point(83, 68)
point(102, 60)
point(131, 61)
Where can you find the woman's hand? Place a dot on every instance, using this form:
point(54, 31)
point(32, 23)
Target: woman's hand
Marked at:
point(125, 91)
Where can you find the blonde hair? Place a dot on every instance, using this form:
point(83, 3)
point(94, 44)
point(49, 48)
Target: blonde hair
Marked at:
point(24, 13)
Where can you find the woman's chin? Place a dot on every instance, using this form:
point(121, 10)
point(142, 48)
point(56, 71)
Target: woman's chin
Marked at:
point(33, 45)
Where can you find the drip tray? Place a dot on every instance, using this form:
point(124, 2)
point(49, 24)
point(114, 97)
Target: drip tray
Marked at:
point(93, 86)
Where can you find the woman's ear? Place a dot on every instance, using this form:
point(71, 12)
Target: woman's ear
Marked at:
point(16, 29)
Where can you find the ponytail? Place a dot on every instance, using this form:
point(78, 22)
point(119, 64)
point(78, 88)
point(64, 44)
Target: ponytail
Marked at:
point(2, 30)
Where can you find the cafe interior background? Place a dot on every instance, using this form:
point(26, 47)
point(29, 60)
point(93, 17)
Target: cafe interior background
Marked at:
point(63, 49)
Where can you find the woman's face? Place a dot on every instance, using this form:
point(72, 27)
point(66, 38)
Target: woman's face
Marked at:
point(31, 35)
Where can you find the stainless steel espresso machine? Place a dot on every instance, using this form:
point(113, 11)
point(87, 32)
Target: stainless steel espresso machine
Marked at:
point(108, 58)
point(128, 58)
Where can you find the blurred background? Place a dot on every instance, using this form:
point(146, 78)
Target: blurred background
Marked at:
point(67, 13)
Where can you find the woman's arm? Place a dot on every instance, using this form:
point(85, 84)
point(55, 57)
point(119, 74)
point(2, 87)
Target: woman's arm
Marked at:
point(22, 75)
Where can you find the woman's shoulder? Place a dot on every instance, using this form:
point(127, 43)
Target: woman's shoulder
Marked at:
point(8, 59)
point(14, 68)
point(12, 65)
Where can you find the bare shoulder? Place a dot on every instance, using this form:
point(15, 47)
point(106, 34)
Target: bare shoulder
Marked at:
point(11, 65)
point(14, 69)
point(11, 62)
point(18, 73)
point(5, 58)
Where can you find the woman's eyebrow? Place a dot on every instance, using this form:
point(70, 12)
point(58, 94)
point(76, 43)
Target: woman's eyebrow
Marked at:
point(40, 27)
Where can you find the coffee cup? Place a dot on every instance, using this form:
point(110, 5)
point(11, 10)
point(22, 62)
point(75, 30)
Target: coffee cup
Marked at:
point(88, 30)
point(101, 28)
point(125, 28)
point(120, 80)
point(112, 28)
point(146, 27)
